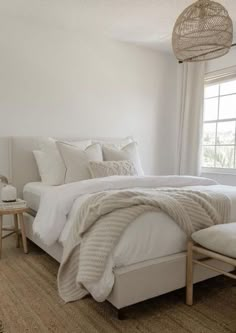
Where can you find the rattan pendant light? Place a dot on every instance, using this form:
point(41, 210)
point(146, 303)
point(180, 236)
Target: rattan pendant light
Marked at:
point(203, 31)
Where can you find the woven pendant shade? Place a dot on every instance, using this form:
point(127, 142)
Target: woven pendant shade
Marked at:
point(203, 31)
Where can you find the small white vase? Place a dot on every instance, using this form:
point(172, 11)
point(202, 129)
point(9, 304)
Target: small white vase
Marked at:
point(9, 193)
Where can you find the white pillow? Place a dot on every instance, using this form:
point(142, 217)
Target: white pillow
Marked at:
point(50, 164)
point(77, 160)
point(112, 168)
point(129, 152)
point(50, 144)
point(51, 172)
point(116, 143)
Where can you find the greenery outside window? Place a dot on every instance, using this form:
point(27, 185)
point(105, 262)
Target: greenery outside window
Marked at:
point(219, 126)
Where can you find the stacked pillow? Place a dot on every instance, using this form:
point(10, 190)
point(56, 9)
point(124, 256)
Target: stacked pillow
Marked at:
point(128, 152)
point(61, 162)
point(77, 160)
point(51, 166)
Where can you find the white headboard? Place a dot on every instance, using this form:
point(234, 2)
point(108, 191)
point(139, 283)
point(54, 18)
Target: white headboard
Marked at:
point(17, 161)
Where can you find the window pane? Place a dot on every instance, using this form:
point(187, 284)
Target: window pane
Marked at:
point(210, 109)
point(209, 134)
point(226, 133)
point(211, 91)
point(208, 156)
point(227, 107)
point(224, 157)
point(228, 88)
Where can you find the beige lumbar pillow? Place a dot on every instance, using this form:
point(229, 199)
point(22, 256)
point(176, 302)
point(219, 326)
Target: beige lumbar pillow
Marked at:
point(112, 168)
point(218, 238)
point(77, 160)
point(128, 152)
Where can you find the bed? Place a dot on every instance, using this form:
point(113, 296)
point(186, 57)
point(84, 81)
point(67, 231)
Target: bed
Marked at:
point(141, 275)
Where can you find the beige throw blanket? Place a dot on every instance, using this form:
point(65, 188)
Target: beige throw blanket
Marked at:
point(104, 216)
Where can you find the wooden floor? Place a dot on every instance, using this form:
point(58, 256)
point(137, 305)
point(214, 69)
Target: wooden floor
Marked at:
point(9, 248)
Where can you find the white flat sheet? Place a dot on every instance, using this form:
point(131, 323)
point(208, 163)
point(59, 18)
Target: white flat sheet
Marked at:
point(32, 193)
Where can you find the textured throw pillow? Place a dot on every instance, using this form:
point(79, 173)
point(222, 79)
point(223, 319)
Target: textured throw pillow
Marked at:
point(50, 164)
point(129, 152)
point(112, 168)
point(77, 160)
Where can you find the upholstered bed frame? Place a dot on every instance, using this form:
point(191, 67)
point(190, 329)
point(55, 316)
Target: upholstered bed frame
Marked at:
point(133, 283)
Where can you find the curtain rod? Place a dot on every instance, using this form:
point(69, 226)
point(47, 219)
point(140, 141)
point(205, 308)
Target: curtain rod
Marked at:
point(180, 62)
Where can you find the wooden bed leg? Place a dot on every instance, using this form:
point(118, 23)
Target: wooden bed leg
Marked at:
point(189, 275)
point(120, 314)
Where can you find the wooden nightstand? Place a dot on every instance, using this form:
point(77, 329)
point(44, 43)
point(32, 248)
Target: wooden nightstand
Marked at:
point(18, 221)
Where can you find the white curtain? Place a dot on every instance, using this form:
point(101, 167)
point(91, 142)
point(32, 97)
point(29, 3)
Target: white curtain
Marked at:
point(190, 107)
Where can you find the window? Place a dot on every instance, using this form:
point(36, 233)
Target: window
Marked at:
point(219, 125)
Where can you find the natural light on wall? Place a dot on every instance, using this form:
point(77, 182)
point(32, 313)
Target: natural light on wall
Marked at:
point(219, 126)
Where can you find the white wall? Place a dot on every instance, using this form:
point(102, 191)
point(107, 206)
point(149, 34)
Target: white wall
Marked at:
point(227, 61)
point(214, 65)
point(58, 81)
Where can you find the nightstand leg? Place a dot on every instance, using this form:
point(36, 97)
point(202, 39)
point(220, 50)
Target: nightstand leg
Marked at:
point(17, 231)
point(0, 236)
point(22, 226)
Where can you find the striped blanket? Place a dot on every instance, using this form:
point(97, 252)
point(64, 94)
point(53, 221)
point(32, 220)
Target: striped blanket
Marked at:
point(104, 216)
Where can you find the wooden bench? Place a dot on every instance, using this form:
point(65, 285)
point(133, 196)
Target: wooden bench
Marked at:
point(217, 242)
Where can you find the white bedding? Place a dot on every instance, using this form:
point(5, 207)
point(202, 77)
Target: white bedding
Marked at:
point(152, 245)
point(32, 193)
point(57, 202)
point(152, 235)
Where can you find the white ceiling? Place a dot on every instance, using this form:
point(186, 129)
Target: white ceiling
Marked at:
point(145, 22)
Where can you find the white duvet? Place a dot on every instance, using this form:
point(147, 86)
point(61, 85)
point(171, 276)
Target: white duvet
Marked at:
point(152, 235)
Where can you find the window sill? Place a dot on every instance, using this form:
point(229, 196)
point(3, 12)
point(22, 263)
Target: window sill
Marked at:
point(225, 172)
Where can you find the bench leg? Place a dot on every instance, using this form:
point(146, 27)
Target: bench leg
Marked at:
point(189, 275)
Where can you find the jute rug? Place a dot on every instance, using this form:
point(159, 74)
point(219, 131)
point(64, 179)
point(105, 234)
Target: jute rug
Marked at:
point(29, 303)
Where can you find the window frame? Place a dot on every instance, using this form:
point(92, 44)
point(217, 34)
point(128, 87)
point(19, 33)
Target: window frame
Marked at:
point(219, 77)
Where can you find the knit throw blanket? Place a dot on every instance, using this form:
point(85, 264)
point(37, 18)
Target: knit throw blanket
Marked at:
point(104, 216)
